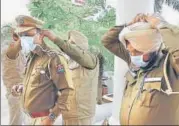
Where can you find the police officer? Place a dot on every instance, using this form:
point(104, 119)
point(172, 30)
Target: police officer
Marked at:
point(152, 84)
point(12, 69)
point(47, 82)
point(84, 67)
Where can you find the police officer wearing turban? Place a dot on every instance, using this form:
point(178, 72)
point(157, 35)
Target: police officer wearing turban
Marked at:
point(152, 85)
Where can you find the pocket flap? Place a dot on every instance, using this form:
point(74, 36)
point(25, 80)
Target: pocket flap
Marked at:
point(152, 85)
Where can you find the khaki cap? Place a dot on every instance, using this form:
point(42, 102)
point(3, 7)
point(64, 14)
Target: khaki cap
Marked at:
point(79, 39)
point(25, 23)
point(145, 40)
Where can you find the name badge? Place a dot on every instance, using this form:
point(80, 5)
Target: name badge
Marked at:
point(153, 79)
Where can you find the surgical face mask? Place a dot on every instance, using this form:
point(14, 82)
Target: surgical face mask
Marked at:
point(138, 61)
point(27, 44)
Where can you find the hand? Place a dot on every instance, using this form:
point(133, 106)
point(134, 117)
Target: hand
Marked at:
point(49, 34)
point(15, 37)
point(154, 21)
point(17, 90)
point(38, 39)
point(47, 121)
point(138, 18)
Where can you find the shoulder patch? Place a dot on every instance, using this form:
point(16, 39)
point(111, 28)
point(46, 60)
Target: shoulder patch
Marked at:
point(60, 68)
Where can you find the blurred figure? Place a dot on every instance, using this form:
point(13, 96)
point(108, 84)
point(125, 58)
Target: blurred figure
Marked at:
point(13, 64)
point(152, 84)
point(47, 83)
point(84, 67)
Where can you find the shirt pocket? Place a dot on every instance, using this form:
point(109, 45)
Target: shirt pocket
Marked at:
point(40, 77)
point(151, 94)
point(129, 83)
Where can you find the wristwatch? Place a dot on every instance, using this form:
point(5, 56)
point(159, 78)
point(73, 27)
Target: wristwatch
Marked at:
point(52, 116)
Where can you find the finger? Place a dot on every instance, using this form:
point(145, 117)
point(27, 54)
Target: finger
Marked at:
point(143, 18)
point(41, 36)
point(14, 93)
point(18, 90)
point(21, 88)
point(139, 18)
point(14, 88)
point(148, 18)
point(44, 32)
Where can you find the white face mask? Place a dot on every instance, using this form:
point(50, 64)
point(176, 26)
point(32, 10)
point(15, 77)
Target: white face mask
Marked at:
point(27, 44)
point(138, 61)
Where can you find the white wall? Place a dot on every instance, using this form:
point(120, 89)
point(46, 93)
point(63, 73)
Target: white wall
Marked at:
point(170, 15)
point(11, 8)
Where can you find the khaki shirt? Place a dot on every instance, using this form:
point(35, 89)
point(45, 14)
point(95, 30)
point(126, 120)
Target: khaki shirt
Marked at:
point(83, 57)
point(144, 100)
point(12, 69)
point(45, 87)
point(83, 101)
point(85, 79)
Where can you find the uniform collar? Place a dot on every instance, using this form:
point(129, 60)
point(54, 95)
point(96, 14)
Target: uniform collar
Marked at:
point(157, 62)
point(39, 51)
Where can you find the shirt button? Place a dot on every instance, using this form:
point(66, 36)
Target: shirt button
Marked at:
point(42, 72)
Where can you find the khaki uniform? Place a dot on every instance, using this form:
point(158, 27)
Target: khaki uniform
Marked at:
point(85, 80)
point(100, 91)
point(45, 88)
point(47, 81)
point(12, 70)
point(145, 101)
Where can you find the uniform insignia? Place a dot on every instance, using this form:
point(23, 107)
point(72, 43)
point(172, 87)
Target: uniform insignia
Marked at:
point(153, 79)
point(60, 68)
point(42, 72)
